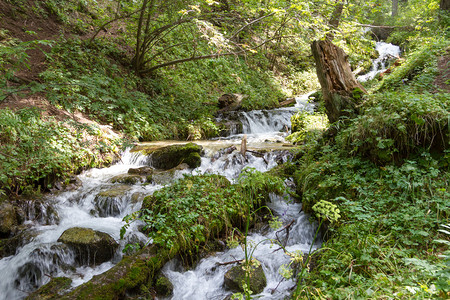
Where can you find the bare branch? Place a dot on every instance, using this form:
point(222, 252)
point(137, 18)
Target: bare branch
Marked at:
point(385, 26)
point(111, 21)
point(249, 24)
point(215, 55)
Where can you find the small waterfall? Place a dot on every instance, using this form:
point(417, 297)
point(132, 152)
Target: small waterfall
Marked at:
point(274, 120)
point(386, 52)
point(42, 256)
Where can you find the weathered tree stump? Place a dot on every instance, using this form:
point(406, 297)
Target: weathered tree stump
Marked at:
point(341, 91)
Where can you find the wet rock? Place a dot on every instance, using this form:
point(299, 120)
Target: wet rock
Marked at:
point(43, 262)
point(137, 197)
point(223, 152)
point(111, 202)
point(171, 156)
point(128, 179)
point(29, 277)
point(38, 210)
point(166, 177)
point(230, 127)
point(235, 278)
point(229, 102)
point(91, 247)
point(163, 286)
point(52, 290)
point(8, 219)
point(141, 171)
point(24, 236)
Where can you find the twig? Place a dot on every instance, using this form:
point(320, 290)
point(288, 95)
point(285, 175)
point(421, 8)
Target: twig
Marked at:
point(230, 262)
point(287, 228)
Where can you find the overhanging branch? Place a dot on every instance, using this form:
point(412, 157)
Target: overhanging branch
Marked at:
point(215, 55)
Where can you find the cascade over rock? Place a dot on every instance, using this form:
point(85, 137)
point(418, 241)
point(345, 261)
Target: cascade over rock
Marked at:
point(341, 91)
point(111, 202)
point(92, 247)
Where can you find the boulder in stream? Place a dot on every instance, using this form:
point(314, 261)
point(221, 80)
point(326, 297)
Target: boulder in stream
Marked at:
point(91, 247)
point(130, 179)
point(112, 201)
point(141, 171)
point(235, 278)
point(171, 156)
point(168, 176)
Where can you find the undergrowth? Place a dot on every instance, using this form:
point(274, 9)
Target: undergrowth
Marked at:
point(384, 243)
point(387, 171)
point(195, 209)
point(37, 152)
point(84, 77)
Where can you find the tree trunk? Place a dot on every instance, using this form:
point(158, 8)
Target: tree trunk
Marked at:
point(445, 5)
point(335, 18)
point(394, 8)
point(341, 91)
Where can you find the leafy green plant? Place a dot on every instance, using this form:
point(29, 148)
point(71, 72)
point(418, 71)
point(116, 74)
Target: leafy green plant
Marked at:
point(307, 127)
point(35, 152)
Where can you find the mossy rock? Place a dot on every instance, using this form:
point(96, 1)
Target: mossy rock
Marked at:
point(24, 236)
point(128, 179)
point(141, 171)
point(163, 286)
point(316, 96)
point(111, 202)
point(114, 192)
point(235, 278)
point(91, 247)
point(129, 277)
point(137, 197)
point(8, 220)
point(52, 290)
point(166, 177)
point(171, 156)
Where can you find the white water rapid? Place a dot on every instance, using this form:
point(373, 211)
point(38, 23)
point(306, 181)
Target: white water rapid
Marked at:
point(40, 256)
point(386, 52)
point(206, 279)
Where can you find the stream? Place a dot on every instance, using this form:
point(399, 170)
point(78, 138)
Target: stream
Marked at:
point(40, 256)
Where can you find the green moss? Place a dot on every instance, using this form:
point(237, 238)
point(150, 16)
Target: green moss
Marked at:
point(171, 156)
point(114, 192)
point(163, 286)
point(127, 179)
point(51, 290)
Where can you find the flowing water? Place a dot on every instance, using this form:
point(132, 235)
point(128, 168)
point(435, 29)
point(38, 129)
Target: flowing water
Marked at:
point(387, 52)
point(41, 256)
point(206, 279)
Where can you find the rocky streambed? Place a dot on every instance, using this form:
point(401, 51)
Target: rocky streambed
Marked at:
point(68, 245)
